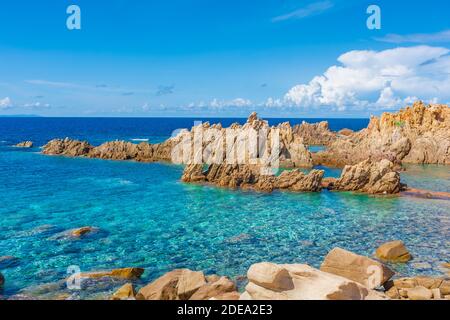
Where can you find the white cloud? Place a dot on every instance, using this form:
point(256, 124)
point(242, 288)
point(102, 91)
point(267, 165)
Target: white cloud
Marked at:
point(6, 103)
point(377, 79)
point(220, 104)
point(439, 37)
point(314, 8)
point(36, 105)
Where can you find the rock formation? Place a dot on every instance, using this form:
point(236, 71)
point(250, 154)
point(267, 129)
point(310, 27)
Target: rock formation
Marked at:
point(126, 292)
point(418, 288)
point(123, 273)
point(269, 281)
point(67, 147)
point(24, 144)
point(254, 177)
point(393, 251)
point(315, 133)
point(369, 177)
point(370, 273)
point(417, 134)
point(184, 284)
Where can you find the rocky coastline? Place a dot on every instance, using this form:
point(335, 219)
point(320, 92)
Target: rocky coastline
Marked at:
point(343, 275)
point(371, 160)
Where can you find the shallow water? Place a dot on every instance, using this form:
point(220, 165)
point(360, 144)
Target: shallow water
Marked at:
point(148, 218)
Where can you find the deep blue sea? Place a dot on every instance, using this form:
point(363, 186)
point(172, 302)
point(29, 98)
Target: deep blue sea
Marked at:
point(148, 218)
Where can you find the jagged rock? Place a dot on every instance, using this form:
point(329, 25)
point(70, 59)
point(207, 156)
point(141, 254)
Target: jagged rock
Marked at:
point(417, 134)
point(67, 147)
point(393, 251)
point(254, 177)
point(315, 133)
point(346, 132)
point(163, 288)
point(368, 272)
point(24, 144)
point(369, 177)
point(306, 283)
point(123, 273)
point(126, 292)
point(419, 293)
point(222, 288)
point(193, 173)
point(298, 181)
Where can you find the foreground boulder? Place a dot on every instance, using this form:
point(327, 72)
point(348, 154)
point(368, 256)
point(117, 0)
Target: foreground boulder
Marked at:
point(418, 288)
point(369, 177)
point(368, 272)
point(126, 292)
point(269, 281)
point(394, 251)
point(24, 144)
point(184, 284)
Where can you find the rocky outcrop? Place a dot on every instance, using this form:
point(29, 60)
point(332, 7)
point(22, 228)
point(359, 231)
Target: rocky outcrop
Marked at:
point(393, 251)
point(24, 144)
point(254, 177)
point(369, 177)
point(315, 133)
point(268, 281)
point(416, 134)
point(80, 232)
point(67, 147)
point(184, 284)
point(370, 273)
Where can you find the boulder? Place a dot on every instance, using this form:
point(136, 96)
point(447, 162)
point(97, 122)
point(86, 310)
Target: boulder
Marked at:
point(393, 251)
point(307, 283)
point(220, 289)
point(24, 144)
point(123, 273)
point(368, 272)
point(163, 288)
point(189, 282)
point(126, 292)
point(419, 293)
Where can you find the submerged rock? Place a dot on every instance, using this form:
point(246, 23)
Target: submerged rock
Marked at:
point(80, 232)
point(123, 273)
point(363, 270)
point(369, 177)
point(393, 251)
point(24, 144)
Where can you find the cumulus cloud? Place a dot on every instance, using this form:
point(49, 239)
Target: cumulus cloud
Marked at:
point(376, 79)
point(5, 103)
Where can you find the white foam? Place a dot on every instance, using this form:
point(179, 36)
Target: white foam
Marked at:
point(137, 139)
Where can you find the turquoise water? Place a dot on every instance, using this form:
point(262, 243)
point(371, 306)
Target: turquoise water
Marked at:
point(148, 218)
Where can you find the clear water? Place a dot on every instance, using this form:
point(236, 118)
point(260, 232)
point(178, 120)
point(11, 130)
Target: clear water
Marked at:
point(148, 218)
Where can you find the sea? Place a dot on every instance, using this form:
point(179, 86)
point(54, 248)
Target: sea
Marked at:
point(146, 217)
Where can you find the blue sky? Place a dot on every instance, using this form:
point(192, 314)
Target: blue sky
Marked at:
point(222, 58)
